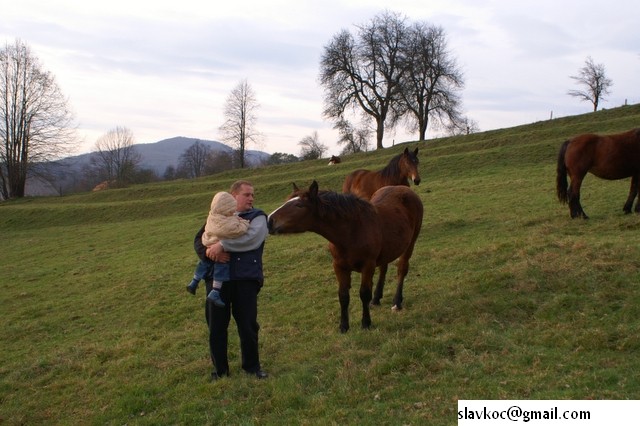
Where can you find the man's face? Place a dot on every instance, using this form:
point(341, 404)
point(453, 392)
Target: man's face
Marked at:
point(244, 198)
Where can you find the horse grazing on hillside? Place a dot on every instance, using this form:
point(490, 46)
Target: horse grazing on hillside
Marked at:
point(608, 157)
point(334, 160)
point(361, 234)
point(400, 169)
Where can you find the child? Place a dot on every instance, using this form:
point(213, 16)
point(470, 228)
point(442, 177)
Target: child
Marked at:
point(221, 223)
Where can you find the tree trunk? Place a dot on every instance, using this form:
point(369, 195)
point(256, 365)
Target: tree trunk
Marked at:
point(423, 130)
point(379, 133)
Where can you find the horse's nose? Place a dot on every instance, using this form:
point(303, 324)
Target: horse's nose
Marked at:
point(270, 226)
point(416, 180)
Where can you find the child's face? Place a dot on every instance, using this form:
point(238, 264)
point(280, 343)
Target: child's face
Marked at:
point(244, 198)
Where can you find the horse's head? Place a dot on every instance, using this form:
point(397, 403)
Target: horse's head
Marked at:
point(409, 165)
point(296, 214)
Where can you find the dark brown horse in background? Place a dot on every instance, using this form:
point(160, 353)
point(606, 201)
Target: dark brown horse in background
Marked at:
point(400, 169)
point(608, 157)
point(361, 234)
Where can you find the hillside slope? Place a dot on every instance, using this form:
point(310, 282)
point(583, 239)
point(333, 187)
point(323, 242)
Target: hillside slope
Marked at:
point(506, 297)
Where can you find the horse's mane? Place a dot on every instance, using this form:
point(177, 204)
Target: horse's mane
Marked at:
point(333, 204)
point(393, 168)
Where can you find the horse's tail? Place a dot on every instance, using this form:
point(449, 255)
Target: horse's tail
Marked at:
point(561, 175)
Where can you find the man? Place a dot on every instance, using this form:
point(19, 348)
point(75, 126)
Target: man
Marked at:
point(240, 293)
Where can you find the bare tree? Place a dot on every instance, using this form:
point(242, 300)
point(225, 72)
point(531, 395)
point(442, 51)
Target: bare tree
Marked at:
point(194, 160)
point(240, 118)
point(169, 173)
point(463, 126)
point(115, 157)
point(431, 81)
point(35, 122)
point(219, 161)
point(354, 139)
point(363, 72)
point(595, 82)
point(312, 148)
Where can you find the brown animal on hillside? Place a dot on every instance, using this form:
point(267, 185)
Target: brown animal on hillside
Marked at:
point(608, 157)
point(334, 160)
point(401, 168)
point(362, 235)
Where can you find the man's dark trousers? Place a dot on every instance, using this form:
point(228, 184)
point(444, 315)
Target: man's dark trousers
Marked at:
point(240, 298)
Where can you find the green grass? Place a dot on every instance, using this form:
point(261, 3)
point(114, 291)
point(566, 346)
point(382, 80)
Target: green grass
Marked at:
point(506, 297)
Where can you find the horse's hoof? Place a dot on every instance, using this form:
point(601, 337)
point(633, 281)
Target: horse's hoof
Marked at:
point(396, 308)
point(375, 303)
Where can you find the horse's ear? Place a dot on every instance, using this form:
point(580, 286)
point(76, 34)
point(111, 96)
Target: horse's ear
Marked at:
point(313, 189)
point(415, 152)
point(295, 187)
point(406, 151)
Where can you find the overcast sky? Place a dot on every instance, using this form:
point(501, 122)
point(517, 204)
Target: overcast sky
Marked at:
point(165, 68)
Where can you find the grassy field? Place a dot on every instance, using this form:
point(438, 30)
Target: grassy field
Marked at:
point(506, 297)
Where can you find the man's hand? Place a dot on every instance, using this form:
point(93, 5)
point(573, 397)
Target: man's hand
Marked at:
point(217, 253)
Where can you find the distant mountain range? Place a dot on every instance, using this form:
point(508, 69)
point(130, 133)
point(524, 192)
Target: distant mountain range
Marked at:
point(162, 154)
point(155, 156)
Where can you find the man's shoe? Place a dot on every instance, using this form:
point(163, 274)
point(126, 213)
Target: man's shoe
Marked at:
point(215, 376)
point(261, 374)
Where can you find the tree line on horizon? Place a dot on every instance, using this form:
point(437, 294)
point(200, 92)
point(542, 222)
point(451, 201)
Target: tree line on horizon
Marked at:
point(115, 163)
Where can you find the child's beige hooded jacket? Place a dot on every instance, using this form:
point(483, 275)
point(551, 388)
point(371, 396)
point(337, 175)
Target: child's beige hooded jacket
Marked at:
point(222, 223)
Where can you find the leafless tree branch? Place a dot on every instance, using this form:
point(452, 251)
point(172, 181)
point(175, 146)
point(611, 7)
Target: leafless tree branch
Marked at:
point(240, 119)
point(35, 121)
point(596, 84)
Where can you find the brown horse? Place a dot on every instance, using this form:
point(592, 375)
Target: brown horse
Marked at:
point(608, 157)
point(361, 234)
point(400, 169)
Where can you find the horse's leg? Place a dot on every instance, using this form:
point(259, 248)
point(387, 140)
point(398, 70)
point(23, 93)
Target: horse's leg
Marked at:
point(633, 191)
point(377, 295)
point(403, 269)
point(574, 197)
point(344, 284)
point(637, 179)
point(365, 293)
